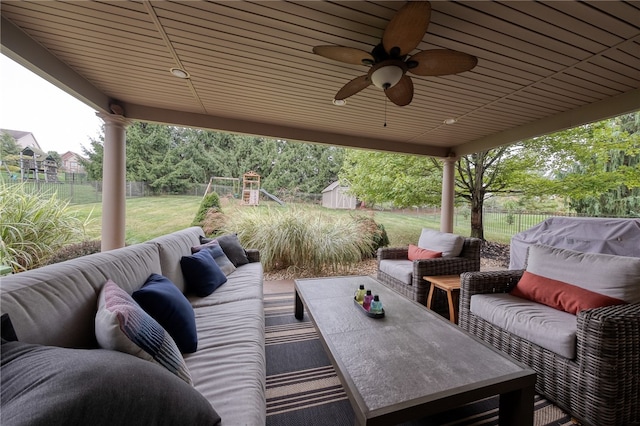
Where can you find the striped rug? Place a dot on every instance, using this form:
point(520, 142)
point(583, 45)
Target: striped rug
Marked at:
point(303, 388)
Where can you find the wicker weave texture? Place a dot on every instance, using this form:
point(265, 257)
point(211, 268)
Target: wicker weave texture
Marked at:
point(601, 385)
point(468, 260)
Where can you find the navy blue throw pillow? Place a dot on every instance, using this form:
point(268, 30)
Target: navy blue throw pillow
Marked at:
point(201, 273)
point(162, 300)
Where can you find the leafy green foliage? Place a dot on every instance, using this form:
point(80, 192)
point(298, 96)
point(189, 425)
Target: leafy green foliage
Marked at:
point(209, 203)
point(402, 180)
point(33, 227)
point(596, 166)
point(171, 159)
point(301, 239)
point(8, 145)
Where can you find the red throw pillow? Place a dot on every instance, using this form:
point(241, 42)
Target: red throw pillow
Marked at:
point(417, 253)
point(560, 295)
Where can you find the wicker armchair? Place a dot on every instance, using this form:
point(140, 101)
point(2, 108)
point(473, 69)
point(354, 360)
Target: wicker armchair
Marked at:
point(601, 385)
point(418, 290)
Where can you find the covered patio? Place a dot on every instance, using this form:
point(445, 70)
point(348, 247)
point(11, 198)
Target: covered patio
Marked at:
point(249, 68)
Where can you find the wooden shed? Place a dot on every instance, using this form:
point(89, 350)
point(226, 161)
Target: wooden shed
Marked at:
point(335, 196)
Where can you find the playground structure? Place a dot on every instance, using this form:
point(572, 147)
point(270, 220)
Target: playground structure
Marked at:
point(31, 163)
point(251, 188)
point(230, 187)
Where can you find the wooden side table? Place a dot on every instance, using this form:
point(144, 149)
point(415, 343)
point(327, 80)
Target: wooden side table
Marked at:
point(450, 284)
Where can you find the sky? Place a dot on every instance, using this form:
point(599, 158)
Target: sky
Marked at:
point(58, 121)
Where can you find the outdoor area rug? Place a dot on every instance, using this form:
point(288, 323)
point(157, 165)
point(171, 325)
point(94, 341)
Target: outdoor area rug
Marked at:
point(303, 388)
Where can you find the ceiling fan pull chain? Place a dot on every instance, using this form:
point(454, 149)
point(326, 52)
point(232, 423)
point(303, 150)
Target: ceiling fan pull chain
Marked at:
point(385, 111)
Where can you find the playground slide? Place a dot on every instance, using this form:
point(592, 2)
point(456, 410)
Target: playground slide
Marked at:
point(273, 197)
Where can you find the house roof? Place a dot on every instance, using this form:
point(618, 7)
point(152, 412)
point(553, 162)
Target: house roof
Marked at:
point(542, 67)
point(331, 187)
point(24, 139)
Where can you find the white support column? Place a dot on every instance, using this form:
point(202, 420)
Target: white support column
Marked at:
point(113, 181)
point(448, 194)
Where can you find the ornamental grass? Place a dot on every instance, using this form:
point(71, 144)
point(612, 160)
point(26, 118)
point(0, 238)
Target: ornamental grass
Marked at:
point(33, 226)
point(293, 238)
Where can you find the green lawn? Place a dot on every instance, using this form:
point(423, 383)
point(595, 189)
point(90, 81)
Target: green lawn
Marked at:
point(146, 217)
point(149, 217)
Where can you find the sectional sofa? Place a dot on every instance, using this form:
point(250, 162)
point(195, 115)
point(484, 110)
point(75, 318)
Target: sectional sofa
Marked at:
point(58, 373)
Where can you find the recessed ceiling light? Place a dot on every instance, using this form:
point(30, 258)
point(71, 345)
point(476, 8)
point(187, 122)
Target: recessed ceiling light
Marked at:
point(180, 73)
point(339, 102)
point(450, 121)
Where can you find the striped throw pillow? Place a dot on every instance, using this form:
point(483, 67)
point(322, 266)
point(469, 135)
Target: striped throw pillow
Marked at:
point(122, 325)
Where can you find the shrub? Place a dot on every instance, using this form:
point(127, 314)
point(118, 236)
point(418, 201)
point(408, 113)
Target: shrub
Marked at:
point(376, 232)
point(71, 251)
point(210, 204)
point(33, 226)
point(294, 238)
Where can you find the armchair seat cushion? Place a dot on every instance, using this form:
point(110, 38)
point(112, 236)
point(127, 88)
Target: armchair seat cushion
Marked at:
point(547, 327)
point(402, 270)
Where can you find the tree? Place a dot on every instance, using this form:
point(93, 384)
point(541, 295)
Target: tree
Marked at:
point(93, 155)
point(502, 170)
point(9, 154)
point(172, 159)
point(56, 157)
point(399, 179)
point(316, 166)
point(8, 145)
point(409, 180)
point(596, 167)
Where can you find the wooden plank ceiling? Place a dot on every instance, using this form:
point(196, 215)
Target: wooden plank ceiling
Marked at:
point(542, 66)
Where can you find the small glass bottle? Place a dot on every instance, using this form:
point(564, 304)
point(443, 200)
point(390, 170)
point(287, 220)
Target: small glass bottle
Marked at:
point(376, 305)
point(366, 304)
point(360, 294)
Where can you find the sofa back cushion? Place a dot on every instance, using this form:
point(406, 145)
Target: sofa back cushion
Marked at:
point(172, 247)
point(450, 245)
point(56, 305)
point(614, 276)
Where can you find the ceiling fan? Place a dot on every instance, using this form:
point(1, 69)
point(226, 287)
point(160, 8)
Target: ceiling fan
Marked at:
point(389, 60)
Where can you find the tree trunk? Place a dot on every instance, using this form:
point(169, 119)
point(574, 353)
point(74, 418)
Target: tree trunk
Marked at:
point(477, 196)
point(477, 227)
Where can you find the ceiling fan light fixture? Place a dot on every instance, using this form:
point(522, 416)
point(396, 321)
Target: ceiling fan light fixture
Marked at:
point(339, 102)
point(387, 76)
point(180, 73)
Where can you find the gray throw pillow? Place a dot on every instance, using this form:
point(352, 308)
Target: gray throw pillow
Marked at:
point(218, 255)
point(46, 385)
point(232, 248)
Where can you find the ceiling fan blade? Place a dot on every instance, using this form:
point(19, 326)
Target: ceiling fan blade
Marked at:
point(441, 62)
point(402, 93)
point(353, 87)
point(406, 28)
point(348, 55)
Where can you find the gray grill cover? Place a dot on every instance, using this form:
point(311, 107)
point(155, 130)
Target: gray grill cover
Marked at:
point(589, 235)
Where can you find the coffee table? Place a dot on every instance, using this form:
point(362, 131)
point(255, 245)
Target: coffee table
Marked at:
point(412, 363)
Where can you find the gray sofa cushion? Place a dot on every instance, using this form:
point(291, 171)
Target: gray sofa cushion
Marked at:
point(450, 245)
point(56, 305)
point(229, 366)
point(613, 276)
point(401, 270)
point(245, 283)
point(46, 385)
point(172, 247)
point(547, 327)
